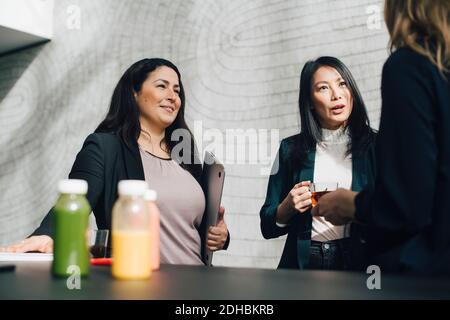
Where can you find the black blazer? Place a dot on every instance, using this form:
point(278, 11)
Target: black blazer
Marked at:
point(103, 161)
point(410, 205)
point(296, 250)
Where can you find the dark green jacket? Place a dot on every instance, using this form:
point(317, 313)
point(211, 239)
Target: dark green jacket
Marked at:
point(296, 250)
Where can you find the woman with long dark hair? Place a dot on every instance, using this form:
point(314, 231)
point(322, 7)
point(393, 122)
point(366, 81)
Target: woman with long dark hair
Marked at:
point(137, 140)
point(335, 144)
point(408, 210)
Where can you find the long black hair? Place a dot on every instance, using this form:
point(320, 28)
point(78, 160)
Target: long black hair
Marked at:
point(362, 135)
point(123, 115)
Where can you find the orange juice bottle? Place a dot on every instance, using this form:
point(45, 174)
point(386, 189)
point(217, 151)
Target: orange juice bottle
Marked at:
point(150, 196)
point(131, 232)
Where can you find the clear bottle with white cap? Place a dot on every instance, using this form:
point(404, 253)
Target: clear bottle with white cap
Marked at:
point(71, 222)
point(131, 232)
point(150, 196)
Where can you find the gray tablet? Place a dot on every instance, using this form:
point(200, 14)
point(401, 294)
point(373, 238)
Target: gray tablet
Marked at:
point(213, 177)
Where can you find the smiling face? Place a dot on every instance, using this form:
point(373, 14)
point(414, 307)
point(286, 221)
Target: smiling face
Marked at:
point(159, 98)
point(332, 99)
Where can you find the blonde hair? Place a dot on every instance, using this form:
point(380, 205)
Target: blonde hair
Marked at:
point(423, 26)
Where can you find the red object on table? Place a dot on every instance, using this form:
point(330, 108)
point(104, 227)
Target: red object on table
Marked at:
point(101, 261)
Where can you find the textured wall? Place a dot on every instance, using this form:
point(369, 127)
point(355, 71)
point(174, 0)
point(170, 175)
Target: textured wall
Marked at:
point(240, 62)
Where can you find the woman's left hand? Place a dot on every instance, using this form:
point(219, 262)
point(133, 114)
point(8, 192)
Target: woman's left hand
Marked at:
point(217, 235)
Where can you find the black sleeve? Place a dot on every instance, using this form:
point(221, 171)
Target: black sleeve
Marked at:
point(280, 182)
point(406, 151)
point(89, 166)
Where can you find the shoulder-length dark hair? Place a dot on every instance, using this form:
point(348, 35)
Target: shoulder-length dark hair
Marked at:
point(123, 115)
point(358, 124)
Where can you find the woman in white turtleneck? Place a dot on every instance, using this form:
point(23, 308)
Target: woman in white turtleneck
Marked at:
point(335, 145)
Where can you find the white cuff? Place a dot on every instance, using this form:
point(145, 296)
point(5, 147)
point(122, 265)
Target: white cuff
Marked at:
point(282, 225)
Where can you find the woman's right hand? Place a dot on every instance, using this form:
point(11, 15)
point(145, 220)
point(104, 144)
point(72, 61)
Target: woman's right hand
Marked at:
point(299, 198)
point(42, 244)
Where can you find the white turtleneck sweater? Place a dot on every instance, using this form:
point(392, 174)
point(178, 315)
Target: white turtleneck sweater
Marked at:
point(331, 165)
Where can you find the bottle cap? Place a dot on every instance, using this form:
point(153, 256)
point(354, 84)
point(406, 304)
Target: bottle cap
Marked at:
point(72, 186)
point(150, 195)
point(132, 187)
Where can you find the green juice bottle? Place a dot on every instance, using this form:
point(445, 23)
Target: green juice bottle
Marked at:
point(71, 221)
